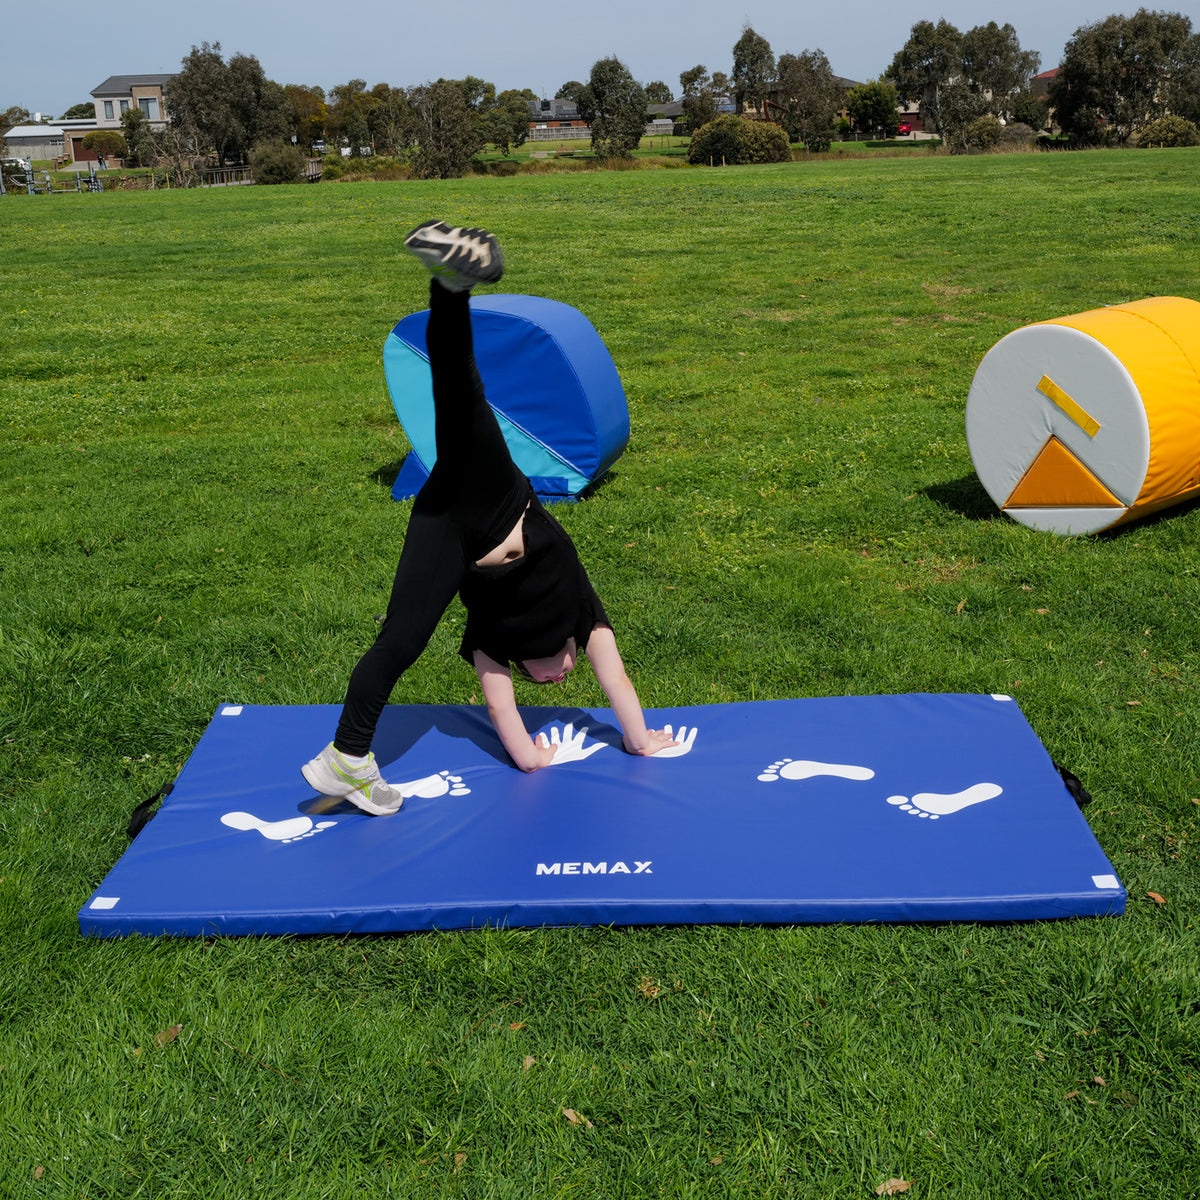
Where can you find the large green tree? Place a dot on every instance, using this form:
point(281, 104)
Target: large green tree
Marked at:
point(14, 114)
point(226, 107)
point(139, 138)
point(262, 103)
point(810, 94)
point(925, 65)
point(613, 103)
point(506, 124)
point(347, 116)
point(83, 111)
point(308, 112)
point(390, 120)
point(1182, 93)
point(445, 132)
point(1031, 110)
point(958, 77)
point(960, 106)
point(753, 69)
point(995, 66)
point(873, 108)
point(1121, 73)
point(702, 93)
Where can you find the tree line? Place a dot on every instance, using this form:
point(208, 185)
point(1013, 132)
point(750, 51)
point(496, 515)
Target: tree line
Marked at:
point(1117, 77)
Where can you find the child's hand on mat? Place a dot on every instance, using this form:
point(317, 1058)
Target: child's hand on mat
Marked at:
point(567, 747)
point(684, 740)
point(658, 741)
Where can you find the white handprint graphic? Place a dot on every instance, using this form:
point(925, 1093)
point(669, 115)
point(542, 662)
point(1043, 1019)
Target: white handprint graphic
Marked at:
point(569, 743)
point(685, 739)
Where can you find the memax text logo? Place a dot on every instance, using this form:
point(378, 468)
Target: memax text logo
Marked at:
point(597, 868)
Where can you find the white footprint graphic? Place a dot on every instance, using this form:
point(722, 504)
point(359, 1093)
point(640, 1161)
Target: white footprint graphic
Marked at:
point(433, 786)
point(290, 830)
point(805, 768)
point(934, 804)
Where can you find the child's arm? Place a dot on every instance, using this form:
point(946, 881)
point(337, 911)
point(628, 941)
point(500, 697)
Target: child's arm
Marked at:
point(496, 682)
point(606, 661)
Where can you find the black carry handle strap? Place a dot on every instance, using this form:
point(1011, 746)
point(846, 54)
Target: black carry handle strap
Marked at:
point(145, 810)
point(1079, 793)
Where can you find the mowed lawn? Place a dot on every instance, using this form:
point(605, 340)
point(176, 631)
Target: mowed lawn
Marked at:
point(196, 448)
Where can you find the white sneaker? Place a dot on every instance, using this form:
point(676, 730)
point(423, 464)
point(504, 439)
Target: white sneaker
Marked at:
point(358, 780)
point(460, 258)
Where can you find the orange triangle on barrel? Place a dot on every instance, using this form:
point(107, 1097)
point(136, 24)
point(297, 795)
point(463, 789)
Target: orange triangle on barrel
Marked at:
point(1057, 479)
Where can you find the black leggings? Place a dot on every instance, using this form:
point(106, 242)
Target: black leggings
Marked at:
point(473, 497)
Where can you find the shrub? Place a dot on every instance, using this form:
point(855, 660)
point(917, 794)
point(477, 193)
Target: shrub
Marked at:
point(333, 166)
point(733, 139)
point(505, 167)
point(108, 143)
point(277, 162)
point(1016, 136)
point(983, 133)
point(1168, 131)
point(1030, 110)
point(819, 143)
point(379, 168)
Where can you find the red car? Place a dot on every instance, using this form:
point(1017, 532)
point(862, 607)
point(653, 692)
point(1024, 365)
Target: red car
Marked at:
point(904, 127)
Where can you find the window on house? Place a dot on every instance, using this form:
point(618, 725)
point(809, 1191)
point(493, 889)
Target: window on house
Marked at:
point(108, 110)
point(149, 107)
point(124, 106)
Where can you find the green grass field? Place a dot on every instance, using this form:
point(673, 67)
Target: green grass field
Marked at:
point(196, 447)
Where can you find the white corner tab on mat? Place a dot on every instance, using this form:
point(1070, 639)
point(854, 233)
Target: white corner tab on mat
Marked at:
point(105, 902)
point(231, 710)
point(1106, 881)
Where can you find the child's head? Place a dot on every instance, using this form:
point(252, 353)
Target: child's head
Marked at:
point(554, 668)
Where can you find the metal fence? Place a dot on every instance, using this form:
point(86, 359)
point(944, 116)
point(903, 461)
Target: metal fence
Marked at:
point(566, 133)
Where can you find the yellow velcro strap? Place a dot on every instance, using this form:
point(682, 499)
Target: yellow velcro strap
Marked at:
point(1076, 412)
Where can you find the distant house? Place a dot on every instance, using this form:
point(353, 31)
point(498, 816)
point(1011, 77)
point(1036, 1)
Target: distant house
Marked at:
point(115, 96)
point(556, 119)
point(119, 93)
point(559, 120)
point(775, 107)
point(1039, 85)
point(35, 141)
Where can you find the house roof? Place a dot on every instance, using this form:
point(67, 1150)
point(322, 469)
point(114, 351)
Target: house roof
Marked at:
point(35, 131)
point(556, 109)
point(122, 85)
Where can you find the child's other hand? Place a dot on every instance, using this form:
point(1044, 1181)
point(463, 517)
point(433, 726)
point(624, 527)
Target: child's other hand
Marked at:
point(658, 741)
point(684, 740)
point(665, 743)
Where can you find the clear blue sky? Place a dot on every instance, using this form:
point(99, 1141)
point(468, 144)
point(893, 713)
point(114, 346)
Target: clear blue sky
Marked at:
point(57, 51)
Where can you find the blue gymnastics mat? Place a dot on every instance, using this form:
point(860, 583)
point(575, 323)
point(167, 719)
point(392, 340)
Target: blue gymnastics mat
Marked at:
point(858, 808)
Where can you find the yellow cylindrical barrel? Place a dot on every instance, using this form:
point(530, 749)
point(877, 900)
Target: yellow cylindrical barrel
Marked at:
point(1080, 423)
